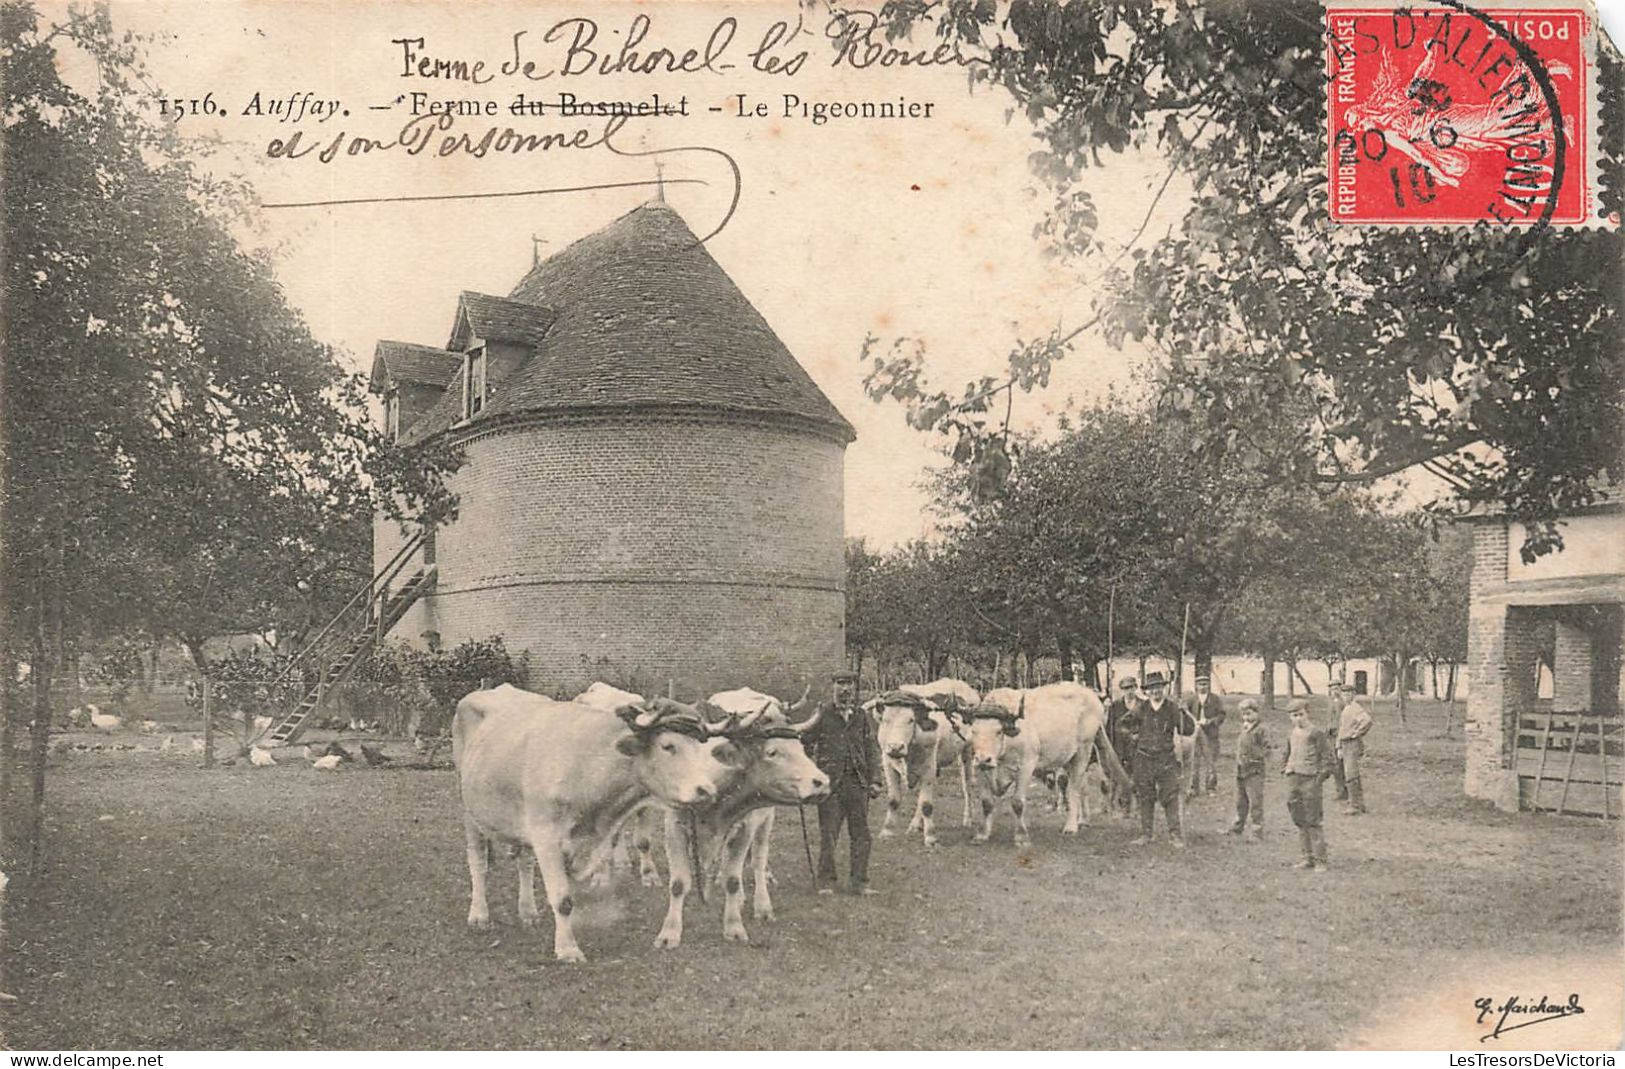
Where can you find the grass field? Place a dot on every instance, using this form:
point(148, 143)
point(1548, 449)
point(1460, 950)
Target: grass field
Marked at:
point(283, 908)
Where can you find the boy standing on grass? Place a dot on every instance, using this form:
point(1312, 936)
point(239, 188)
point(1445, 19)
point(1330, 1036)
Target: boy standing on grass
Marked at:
point(1307, 763)
point(1352, 724)
point(1252, 754)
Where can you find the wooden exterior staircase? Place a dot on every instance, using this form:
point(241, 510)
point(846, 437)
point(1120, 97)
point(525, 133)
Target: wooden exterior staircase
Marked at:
point(348, 639)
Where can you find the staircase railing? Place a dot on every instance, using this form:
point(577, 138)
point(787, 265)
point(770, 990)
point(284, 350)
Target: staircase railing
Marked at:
point(346, 639)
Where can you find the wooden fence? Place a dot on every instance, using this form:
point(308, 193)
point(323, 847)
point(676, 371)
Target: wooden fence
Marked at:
point(1571, 761)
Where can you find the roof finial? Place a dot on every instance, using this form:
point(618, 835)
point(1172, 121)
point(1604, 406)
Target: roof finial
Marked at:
point(536, 244)
point(660, 181)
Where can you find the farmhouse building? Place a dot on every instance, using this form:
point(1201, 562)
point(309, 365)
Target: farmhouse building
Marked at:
point(651, 491)
point(1557, 622)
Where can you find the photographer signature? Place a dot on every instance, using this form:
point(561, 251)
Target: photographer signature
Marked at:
point(1525, 1013)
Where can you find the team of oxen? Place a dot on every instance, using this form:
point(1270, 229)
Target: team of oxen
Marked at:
point(560, 782)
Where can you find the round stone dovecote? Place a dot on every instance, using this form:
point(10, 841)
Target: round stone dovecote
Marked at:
point(651, 491)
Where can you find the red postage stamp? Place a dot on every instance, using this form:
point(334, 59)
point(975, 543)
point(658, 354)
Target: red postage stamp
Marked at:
point(1446, 113)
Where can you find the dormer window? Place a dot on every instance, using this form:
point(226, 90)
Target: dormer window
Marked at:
point(474, 382)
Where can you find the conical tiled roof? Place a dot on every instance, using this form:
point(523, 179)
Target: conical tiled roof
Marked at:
point(646, 318)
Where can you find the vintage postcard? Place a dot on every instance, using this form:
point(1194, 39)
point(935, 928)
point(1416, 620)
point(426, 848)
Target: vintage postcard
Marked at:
point(945, 524)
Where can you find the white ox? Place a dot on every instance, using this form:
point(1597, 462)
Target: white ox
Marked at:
point(641, 827)
point(1018, 734)
point(920, 732)
point(776, 771)
point(557, 779)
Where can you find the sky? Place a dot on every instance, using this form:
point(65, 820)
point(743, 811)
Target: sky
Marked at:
point(904, 227)
point(919, 228)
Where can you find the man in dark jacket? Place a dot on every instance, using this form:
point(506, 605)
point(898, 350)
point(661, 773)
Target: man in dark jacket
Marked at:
point(1156, 768)
point(842, 743)
point(1119, 729)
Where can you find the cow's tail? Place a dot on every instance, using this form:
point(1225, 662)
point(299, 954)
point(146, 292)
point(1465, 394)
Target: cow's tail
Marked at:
point(468, 717)
point(1108, 758)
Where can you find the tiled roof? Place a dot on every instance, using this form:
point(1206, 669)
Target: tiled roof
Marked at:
point(499, 319)
point(396, 362)
point(644, 318)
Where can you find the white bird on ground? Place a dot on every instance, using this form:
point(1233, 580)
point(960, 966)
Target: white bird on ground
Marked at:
point(260, 758)
point(197, 745)
point(308, 753)
point(330, 763)
point(149, 726)
point(105, 722)
point(261, 723)
point(169, 744)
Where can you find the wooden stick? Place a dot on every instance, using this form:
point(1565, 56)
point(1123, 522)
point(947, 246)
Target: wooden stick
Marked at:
point(1540, 772)
point(1602, 755)
point(1179, 669)
point(1574, 745)
point(1111, 621)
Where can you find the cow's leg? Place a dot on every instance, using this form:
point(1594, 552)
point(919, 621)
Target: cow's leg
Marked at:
point(733, 890)
point(761, 836)
point(528, 913)
point(1024, 779)
point(556, 882)
point(964, 787)
point(894, 800)
point(928, 796)
point(682, 881)
point(1074, 793)
point(479, 864)
point(917, 821)
point(643, 839)
point(989, 803)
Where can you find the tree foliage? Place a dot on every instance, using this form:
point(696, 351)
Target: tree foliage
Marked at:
point(1493, 357)
point(181, 455)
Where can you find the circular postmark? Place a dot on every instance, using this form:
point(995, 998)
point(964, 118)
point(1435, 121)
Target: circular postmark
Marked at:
point(1450, 114)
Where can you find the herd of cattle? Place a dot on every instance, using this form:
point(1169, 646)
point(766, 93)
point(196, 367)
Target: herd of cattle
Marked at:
point(557, 781)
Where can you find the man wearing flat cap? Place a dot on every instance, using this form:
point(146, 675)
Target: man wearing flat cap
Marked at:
point(1156, 769)
point(1307, 764)
point(1353, 722)
point(1207, 711)
point(843, 744)
point(1120, 730)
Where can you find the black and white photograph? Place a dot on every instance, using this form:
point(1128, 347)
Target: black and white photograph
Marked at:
point(922, 525)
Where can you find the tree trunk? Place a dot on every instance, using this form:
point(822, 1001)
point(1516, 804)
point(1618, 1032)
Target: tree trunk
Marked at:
point(1433, 669)
point(1291, 681)
point(1064, 649)
point(1202, 656)
point(1450, 683)
point(1402, 663)
point(1266, 687)
point(1307, 689)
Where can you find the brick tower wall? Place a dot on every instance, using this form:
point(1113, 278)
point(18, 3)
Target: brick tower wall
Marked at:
point(641, 549)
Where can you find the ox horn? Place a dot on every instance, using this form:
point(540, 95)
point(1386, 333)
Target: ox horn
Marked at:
point(749, 719)
point(807, 724)
point(802, 701)
point(714, 727)
point(646, 717)
point(1021, 707)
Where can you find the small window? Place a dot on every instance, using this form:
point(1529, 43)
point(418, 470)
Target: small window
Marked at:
point(474, 383)
point(392, 415)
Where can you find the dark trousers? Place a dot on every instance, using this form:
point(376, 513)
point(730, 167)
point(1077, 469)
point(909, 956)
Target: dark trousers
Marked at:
point(1207, 759)
point(849, 802)
point(1156, 779)
point(1303, 799)
point(1337, 772)
point(1249, 799)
